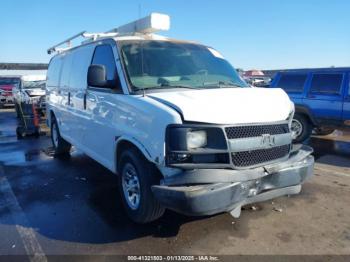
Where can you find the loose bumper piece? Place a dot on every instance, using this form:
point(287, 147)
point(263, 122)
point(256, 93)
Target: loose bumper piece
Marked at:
point(211, 191)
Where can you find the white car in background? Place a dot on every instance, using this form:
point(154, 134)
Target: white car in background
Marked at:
point(31, 89)
point(174, 121)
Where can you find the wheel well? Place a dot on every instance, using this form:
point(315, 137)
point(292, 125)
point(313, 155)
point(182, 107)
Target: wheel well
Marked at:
point(307, 113)
point(307, 117)
point(124, 145)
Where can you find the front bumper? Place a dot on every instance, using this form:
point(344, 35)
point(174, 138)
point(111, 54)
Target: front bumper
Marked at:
point(212, 191)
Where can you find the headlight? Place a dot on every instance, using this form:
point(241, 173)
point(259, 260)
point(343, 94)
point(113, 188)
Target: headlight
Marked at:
point(196, 139)
point(196, 144)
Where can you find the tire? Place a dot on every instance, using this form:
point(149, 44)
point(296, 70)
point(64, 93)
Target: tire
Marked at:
point(61, 146)
point(133, 164)
point(324, 131)
point(304, 129)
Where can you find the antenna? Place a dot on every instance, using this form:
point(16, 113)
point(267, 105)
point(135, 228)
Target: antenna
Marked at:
point(139, 11)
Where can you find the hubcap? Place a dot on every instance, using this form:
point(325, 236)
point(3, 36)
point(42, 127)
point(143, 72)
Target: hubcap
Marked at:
point(131, 186)
point(54, 135)
point(297, 128)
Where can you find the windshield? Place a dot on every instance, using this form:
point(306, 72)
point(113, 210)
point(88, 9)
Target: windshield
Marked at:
point(34, 84)
point(165, 64)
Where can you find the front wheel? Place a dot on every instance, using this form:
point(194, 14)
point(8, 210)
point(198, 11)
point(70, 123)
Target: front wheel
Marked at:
point(301, 128)
point(136, 176)
point(60, 145)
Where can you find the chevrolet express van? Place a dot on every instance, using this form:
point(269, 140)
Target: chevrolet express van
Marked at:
point(174, 121)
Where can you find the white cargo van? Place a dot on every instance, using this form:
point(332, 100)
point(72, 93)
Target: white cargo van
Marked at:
point(174, 121)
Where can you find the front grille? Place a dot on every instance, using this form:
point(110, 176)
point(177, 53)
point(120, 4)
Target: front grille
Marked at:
point(255, 157)
point(234, 132)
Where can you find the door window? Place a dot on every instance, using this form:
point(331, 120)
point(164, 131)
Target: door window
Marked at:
point(326, 83)
point(104, 56)
point(292, 82)
point(53, 73)
point(81, 61)
point(66, 70)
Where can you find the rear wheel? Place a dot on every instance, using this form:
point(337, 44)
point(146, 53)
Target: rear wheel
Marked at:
point(301, 128)
point(60, 145)
point(136, 176)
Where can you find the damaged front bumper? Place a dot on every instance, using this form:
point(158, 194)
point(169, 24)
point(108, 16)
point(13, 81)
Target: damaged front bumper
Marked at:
point(212, 191)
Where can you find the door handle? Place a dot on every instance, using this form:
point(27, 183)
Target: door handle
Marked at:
point(84, 101)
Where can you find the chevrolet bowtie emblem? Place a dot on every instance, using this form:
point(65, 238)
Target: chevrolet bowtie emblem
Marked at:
point(267, 140)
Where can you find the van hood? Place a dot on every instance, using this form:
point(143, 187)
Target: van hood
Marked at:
point(229, 105)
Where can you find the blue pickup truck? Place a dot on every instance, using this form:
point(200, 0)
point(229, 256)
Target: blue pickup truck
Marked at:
point(321, 98)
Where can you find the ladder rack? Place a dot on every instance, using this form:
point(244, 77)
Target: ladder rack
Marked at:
point(147, 25)
point(67, 41)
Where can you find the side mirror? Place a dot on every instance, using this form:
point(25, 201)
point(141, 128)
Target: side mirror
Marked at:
point(97, 76)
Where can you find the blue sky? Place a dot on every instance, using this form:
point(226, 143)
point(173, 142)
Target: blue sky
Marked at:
point(264, 34)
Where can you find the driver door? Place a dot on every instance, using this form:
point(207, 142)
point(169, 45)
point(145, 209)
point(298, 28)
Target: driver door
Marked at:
point(102, 109)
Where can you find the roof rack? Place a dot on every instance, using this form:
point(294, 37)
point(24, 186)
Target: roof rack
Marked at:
point(67, 41)
point(147, 25)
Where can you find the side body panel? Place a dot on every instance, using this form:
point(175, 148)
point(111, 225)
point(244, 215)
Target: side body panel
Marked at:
point(56, 96)
point(326, 108)
point(77, 93)
point(116, 117)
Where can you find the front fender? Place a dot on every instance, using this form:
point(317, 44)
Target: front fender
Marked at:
point(136, 143)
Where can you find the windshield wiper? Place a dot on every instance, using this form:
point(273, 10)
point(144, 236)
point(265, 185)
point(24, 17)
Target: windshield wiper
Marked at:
point(166, 87)
point(224, 84)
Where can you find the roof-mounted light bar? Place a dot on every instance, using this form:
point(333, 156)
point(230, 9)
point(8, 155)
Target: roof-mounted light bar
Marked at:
point(147, 25)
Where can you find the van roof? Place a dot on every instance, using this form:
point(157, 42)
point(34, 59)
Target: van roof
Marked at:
point(141, 29)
